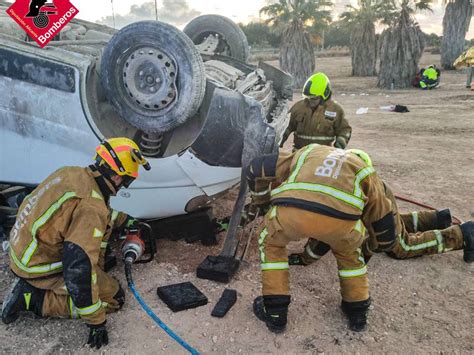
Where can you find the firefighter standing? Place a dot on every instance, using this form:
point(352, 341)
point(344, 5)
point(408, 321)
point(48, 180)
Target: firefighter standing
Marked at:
point(317, 118)
point(331, 195)
point(57, 245)
point(418, 233)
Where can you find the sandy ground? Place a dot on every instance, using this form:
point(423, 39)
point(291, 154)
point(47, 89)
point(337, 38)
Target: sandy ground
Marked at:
point(419, 306)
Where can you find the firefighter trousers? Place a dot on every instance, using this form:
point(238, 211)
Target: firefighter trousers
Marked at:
point(285, 224)
point(58, 303)
point(419, 236)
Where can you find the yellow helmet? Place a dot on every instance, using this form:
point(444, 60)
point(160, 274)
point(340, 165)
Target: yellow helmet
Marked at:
point(122, 156)
point(318, 85)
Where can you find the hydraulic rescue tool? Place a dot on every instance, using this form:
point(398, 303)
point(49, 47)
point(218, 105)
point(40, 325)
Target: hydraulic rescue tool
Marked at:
point(138, 242)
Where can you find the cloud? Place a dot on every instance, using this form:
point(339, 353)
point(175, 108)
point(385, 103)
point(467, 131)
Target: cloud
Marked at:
point(175, 12)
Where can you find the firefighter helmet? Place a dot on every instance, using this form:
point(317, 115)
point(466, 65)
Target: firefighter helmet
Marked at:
point(318, 85)
point(122, 156)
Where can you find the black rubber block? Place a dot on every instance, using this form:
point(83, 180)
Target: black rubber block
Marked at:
point(179, 297)
point(218, 268)
point(227, 300)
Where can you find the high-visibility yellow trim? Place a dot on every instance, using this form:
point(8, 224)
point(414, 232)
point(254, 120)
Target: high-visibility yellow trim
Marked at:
point(360, 257)
point(261, 239)
point(359, 227)
point(96, 195)
point(432, 243)
point(316, 138)
point(327, 190)
point(414, 216)
point(30, 250)
point(38, 269)
point(273, 212)
point(90, 309)
point(360, 176)
point(103, 245)
point(353, 272)
point(27, 297)
point(72, 309)
point(300, 162)
point(114, 216)
point(282, 265)
point(97, 233)
point(94, 278)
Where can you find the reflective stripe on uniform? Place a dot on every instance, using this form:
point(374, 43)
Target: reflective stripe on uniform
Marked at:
point(90, 309)
point(103, 245)
point(263, 235)
point(114, 216)
point(359, 227)
point(38, 269)
point(94, 278)
point(97, 233)
point(283, 265)
point(327, 190)
point(353, 272)
point(300, 162)
point(360, 176)
point(41, 222)
point(310, 253)
point(315, 138)
point(96, 195)
point(72, 309)
point(415, 221)
point(273, 212)
point(432, 243)
point(360, 257)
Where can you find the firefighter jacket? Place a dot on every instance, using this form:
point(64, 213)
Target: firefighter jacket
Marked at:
point(329, 181)
point(63, 227)
point(322, 125)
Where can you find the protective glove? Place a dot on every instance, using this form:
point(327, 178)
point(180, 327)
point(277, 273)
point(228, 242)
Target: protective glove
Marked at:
point(340, 143)
point(97, 335)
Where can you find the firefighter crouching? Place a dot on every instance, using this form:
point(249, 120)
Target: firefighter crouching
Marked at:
point(418, 233)
point(57, 245)
point(330, 195)
point(317, 118)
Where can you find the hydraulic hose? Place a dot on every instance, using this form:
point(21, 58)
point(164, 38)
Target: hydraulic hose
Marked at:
point(456, 220)
point(173, 335)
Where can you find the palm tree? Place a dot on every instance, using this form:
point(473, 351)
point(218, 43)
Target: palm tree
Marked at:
point(456, 22)
point(293, 18)
point(361, 21)
point(402, 44)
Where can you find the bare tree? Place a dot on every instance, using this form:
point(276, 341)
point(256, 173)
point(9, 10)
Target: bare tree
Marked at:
point(456, 22)
point(402, 45)
point(293, 18)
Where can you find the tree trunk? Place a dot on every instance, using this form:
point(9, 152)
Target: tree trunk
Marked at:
point(364, 50)
point(400, 52)
point(296, 54)
point(456, 22)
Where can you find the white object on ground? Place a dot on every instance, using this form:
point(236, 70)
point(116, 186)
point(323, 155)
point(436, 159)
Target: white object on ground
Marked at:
point(362, 110)
point(389, 108)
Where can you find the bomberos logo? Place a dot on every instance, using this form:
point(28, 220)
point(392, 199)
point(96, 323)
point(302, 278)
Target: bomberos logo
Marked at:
point(42, 20)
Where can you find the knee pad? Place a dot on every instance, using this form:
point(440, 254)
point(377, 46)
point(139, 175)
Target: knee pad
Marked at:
point(120, 296)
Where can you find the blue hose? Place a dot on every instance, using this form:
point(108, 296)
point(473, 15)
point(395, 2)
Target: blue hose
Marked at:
point(157, 320)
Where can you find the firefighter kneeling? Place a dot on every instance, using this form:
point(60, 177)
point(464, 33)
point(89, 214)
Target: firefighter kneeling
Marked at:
point(59, 240)
point(332, 196)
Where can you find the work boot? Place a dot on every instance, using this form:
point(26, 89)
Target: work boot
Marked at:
point(467, 230)
point(356, 312)
point(444, 219)
point(296, 259)
point(22, 298)
point(273, 310)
